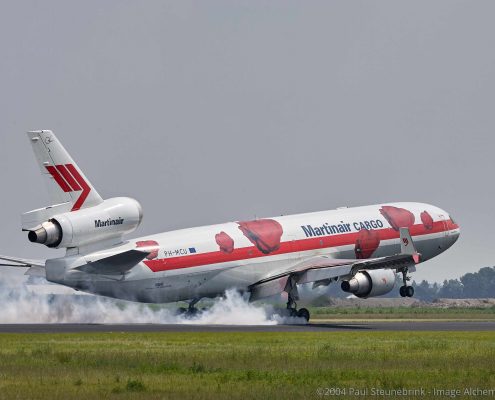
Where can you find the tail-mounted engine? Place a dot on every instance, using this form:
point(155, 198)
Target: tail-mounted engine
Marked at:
point(110, 219)
point(370, 283)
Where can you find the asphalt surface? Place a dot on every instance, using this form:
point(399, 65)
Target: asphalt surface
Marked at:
point(313, 327)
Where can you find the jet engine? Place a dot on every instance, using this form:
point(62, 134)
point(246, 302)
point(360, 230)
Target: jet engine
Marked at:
point(110, 219)
point(370, 283)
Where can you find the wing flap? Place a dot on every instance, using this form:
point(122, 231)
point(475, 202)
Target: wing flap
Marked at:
point(314, 269)
point(396, 262)
point(321, 274)
point(269, 288)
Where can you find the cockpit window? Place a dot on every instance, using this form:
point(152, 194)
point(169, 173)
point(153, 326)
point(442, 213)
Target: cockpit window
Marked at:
point(452, 219)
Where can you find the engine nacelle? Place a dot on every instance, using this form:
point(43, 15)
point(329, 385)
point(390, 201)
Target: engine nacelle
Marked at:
point(370, 283)
point(110, 219)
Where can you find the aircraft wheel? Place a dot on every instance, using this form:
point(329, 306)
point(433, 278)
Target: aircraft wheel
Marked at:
point(402, 291)
point(409, 291)
point(303, 313)
point(181, 311)
point(192, 312)
point(187, 312)
point(292, 312)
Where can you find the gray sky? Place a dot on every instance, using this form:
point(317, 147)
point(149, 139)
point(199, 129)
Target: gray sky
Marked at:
point(214, 111)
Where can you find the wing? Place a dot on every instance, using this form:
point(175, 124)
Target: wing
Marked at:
point(316, 269)
point(323, 269)
point(113, 264)
point(99, 263)
point(36, 267)
point(6, 261)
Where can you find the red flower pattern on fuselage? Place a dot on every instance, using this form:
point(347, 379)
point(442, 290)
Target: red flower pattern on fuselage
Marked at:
point(265, 234)
point(225, 242)
point(366, 243)
point(427, 220)
point(398, 217)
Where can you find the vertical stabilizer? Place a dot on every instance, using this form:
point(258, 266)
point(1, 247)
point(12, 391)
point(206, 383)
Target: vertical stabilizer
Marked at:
point(65, 181)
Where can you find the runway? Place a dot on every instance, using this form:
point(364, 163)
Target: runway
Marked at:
point(313, 327)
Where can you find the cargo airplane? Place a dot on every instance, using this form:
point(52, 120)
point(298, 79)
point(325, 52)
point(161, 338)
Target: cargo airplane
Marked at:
point(362, 248)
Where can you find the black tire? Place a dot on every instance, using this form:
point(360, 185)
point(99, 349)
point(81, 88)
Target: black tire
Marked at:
point(304, 313)
point(293, 312)
point(402, 291)
point(409, 291)
point(181, 311)
point(192, 312)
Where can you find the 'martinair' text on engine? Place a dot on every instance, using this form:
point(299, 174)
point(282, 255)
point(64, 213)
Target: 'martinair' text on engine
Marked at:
point(109, 222)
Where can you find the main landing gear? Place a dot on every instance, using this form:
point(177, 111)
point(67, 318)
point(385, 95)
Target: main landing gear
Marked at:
point(292, 296)
point(406, 291)
point(191, 310)
point(292, 310)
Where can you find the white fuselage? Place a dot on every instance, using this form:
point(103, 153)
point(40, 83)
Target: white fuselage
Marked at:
point(206, 261)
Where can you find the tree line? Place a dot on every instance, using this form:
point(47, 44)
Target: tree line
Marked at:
point(475, 285)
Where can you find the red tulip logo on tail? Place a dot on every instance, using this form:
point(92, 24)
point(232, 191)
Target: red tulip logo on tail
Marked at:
point(153, 246)
point(398, 217)
point(427, 220)
point(265, 234)
point(366, 243)
point(225, 242)
point(70, 180)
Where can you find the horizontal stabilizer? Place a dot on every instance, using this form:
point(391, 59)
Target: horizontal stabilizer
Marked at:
point(116, 264)
point(32, 219)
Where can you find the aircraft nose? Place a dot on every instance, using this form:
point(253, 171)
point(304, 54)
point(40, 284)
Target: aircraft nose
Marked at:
point(454, 230)
point(455, 235)
point(453, 224)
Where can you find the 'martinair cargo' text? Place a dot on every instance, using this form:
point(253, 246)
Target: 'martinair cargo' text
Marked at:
point(327, 229)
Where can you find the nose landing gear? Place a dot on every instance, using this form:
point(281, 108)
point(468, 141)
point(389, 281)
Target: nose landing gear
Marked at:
point(406, 291)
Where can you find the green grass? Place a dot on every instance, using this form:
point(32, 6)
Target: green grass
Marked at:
point(465, 313)
point(239, 365)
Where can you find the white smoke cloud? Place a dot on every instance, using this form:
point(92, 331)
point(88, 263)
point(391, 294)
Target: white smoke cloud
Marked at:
point(20, 304)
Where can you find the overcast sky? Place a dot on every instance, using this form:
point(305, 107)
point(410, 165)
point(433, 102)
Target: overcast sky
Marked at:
point(212, 111)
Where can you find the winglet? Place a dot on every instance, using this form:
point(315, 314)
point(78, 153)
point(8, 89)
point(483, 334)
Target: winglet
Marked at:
point(407, 244)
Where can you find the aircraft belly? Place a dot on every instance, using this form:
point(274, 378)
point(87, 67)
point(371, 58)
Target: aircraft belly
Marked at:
point(153, 290)
point(209, 282)
point(240, 277)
